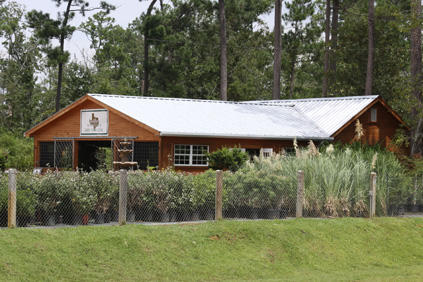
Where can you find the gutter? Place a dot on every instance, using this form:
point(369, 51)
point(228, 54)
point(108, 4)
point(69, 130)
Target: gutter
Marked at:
point(269, 137)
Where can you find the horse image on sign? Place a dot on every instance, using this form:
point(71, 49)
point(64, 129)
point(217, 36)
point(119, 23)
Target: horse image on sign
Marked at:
point(94, 122)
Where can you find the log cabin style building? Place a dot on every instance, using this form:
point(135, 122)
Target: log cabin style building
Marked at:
point(179, 132)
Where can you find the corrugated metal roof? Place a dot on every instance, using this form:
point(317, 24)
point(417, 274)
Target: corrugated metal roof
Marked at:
point(330, 114)
point(206, 118)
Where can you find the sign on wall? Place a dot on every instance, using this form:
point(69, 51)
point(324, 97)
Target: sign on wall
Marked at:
point(94, 122)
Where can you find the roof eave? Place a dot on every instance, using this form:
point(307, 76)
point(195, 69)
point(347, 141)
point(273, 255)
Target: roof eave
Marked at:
point(268, 137)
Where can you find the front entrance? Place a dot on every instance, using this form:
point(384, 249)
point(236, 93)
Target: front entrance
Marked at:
point(93, 155)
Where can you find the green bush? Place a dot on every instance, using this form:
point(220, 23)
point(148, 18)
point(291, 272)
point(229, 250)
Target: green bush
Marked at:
point(336, 184)
point(225, 159)
point(336, 181)
point(158, 190)
point(203, 190)
point(102, 187)
point(15, 152)
point(25, 201)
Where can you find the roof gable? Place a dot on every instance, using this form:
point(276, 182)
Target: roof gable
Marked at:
point(333, 114)
point(74, 105)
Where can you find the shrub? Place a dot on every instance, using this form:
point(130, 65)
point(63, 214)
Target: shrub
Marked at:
point(101, 185)
point(15, 152)
point(203, 190)
point(225, 159)
point(25, 200)
point(336, 181)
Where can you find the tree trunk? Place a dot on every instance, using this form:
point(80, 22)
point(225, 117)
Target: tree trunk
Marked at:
point(416, 73)
point(371, 27)
point(334, 38)
point(62, 49)
point(146, 49)
point(223, 53)
point(293, 64)
point(326, 62)
point(292, 80)
point(278, 48)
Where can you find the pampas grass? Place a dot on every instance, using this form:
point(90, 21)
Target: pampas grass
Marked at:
point(336, 179)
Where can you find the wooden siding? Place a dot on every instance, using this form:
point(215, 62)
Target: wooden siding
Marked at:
point(167, 145)
point(374, 132)
point(68, 125)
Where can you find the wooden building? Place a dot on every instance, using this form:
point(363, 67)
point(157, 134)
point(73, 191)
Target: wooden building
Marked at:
point(179, 132)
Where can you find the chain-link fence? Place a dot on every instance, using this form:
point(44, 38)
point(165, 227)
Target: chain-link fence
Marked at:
point(258, 196)
point(76, 198)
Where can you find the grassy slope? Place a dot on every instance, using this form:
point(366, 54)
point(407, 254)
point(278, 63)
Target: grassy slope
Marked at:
point(337, 249)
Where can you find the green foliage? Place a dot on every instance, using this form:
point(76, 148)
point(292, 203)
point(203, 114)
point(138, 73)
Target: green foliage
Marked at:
point(15, 152)
point(226, 158)
point(25, 200)
point(336, 182)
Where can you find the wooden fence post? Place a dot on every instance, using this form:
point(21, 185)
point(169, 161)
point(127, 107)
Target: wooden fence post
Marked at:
point(123, 195)
point(300, 194)
point(219, 192)
point(11, 216)
point(372, 195)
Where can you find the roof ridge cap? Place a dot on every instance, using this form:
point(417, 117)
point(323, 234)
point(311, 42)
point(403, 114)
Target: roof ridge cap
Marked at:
point(321, 99)
point(188, 100)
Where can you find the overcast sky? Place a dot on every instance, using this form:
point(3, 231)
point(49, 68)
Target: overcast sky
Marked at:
point(126, 11)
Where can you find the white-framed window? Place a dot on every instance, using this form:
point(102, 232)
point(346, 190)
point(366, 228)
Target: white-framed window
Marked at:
point(190, 155)
point(373, 115)
point(266, 152)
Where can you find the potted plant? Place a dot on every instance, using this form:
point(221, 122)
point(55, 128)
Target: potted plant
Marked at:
point(48, 191)
point(84, 199)
point(101, 184)
point(203, 195)
point(136, 200)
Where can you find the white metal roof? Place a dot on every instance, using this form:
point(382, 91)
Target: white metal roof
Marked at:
point(330, 114)
point(206, 118)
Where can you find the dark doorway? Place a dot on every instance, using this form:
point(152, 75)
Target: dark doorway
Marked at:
point(253, 153)
point(93, 155)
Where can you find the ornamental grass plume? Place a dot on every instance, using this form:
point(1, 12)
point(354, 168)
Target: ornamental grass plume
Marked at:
point(330, 149)
point(374, 160)
point(359, 131)
point(312, 150)
point(297, 149)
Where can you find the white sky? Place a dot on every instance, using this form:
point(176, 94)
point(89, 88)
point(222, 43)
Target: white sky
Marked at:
point(126, 11)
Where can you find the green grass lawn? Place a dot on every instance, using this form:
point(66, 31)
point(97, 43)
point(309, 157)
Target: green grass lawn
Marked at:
point(307, 249)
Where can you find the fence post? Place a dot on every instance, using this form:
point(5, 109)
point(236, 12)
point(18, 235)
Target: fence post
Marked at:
point(415, 207)
point(300, 194)
point(123, 195)
point(11, 216)
point(372, 195)
point(219, 191)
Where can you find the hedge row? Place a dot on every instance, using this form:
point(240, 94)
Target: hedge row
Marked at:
point(337, 183)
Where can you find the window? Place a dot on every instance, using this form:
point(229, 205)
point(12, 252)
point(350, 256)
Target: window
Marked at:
point(46, 154)
point(373, 115)
point(191, 155)
point(146, 154)
point(266, 152)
